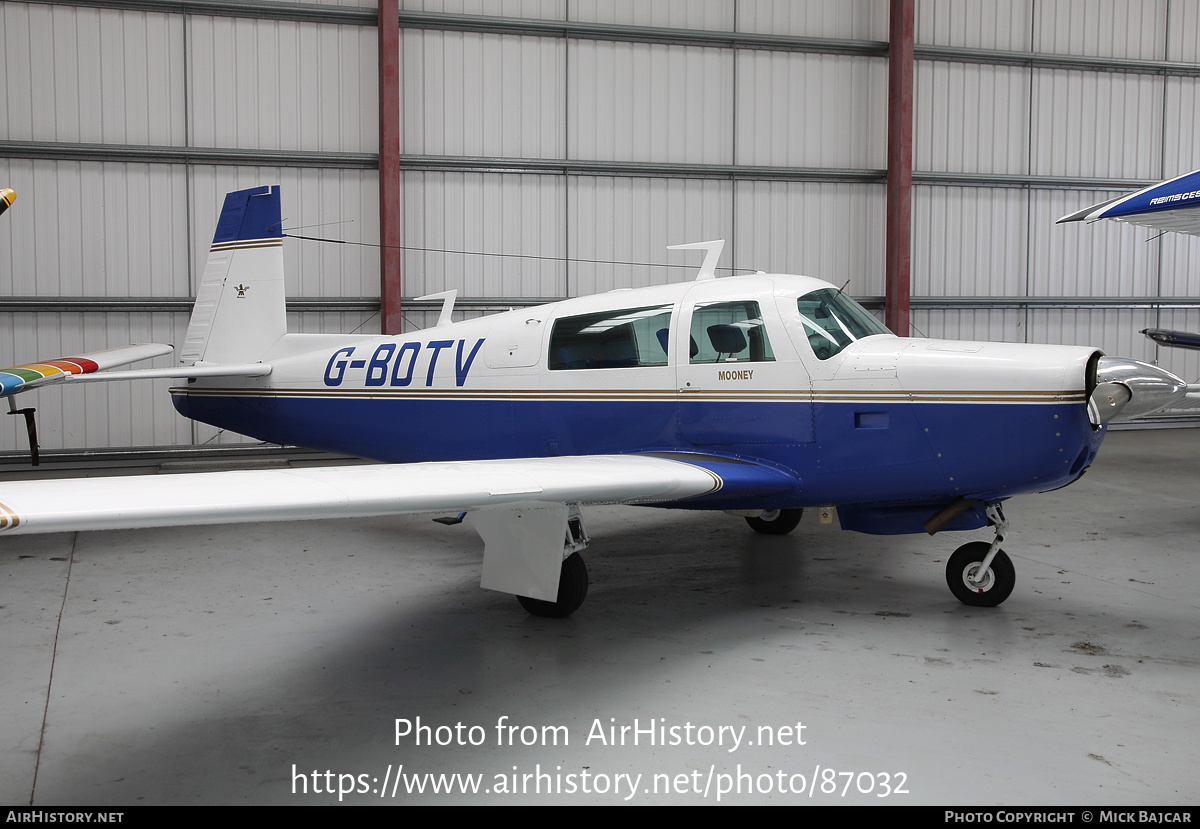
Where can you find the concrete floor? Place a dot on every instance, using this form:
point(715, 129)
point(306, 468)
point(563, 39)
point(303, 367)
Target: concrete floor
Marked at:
point(214, 665)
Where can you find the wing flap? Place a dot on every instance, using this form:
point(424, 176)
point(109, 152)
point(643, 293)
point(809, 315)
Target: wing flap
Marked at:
point(342, 492)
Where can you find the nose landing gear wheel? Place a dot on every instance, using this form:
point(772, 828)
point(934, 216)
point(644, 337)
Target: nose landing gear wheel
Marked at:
point(997, 583)
point(572, 590)
point(775, 521)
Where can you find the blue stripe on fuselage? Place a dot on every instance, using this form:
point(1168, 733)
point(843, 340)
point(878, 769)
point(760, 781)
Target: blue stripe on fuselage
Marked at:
point(863, 453)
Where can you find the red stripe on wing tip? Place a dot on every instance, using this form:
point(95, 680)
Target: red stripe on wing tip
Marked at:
point(85, 365)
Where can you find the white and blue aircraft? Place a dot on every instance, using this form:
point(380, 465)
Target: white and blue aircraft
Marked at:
point(758, 395)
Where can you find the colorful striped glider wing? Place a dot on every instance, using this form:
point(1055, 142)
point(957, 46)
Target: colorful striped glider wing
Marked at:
point(31, 375)
point(95, 368)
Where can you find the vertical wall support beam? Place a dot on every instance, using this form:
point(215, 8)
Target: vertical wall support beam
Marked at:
point(389, 166)
point(898, 253)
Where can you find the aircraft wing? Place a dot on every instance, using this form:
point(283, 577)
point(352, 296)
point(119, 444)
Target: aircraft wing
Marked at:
point(31, 375)
point(368, 490)
point(1169, 205)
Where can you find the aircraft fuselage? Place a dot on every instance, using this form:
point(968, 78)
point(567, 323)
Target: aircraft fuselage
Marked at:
point(776, 370)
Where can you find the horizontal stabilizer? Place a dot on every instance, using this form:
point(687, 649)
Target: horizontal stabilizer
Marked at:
point(343, 492)
point(31, 375)
point(242, 370)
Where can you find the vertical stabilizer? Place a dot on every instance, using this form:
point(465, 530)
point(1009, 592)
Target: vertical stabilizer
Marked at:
point(240, 310)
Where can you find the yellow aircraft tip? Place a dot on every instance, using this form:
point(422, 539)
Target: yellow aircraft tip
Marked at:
point(7, 197)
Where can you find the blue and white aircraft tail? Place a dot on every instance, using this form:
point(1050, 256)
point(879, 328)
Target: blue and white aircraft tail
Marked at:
point(240, 310)
point(758, 395)
point(239, 314)
point(239, 320)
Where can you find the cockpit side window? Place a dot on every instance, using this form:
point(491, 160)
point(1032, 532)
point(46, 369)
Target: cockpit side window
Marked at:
point(611, 339)
point(833, 320)
point(729, 332)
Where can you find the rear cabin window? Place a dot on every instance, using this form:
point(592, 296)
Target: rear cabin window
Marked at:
point(626, 338)
point(729, 332)
point(833, 320)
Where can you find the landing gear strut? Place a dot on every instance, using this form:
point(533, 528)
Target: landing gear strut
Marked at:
point(980, 574)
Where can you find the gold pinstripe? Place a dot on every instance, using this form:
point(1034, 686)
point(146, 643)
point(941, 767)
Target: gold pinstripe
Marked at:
point(741, 396)
point(254, 243)
point(8, 518)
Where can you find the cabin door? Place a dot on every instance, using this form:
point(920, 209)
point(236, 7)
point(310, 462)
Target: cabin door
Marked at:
point(739, 379)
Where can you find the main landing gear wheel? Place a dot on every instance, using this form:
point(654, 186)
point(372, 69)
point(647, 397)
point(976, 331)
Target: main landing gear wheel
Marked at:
point(775, 521)
point(997, 583)
point(572, 590)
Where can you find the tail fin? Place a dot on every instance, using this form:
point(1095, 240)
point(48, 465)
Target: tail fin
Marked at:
point(240, 310)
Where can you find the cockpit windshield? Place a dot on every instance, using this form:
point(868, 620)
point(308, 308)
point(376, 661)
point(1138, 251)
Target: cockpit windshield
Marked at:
point(833, 320)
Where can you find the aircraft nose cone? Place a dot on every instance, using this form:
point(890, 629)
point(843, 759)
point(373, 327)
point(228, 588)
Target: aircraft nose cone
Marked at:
point(1126, 389)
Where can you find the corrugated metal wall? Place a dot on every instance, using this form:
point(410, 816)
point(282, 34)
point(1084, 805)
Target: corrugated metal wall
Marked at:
point(576, 131)
point(616, 141)
point(1106, 95)
point(85, 87)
